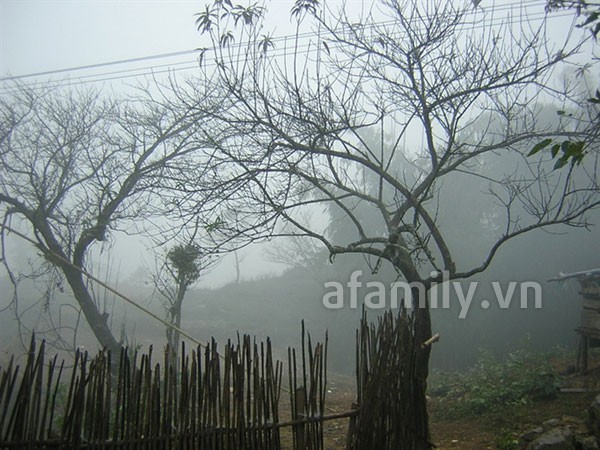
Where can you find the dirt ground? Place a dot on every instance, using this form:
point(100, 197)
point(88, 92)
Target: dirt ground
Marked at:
point(484, 431)
point(476, 432)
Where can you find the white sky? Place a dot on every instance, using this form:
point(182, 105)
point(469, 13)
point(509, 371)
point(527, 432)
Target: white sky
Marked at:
point(47, 35)
point(39, 36)
point(42, 35)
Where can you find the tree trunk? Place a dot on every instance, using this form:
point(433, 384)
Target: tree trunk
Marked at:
point(72, 270)
point(98, 322)
point(422, 332)
point(174, 317)
point(173, 337)
point(237, 267)
point(391, 383)
point(418, 378)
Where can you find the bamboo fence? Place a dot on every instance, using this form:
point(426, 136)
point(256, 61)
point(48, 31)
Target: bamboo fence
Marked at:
point(228, 400)
point(389, 398)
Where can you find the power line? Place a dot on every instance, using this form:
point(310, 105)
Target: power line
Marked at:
point(193, 64)
point(97, 65)
point(499, 8)
point(151, 71)
point(508, 6)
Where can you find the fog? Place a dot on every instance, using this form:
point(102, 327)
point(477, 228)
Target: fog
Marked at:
point(270, 300)
point(267, 288)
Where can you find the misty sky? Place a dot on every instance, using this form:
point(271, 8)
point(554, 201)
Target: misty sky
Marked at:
point(40, 36)
point(48, 35)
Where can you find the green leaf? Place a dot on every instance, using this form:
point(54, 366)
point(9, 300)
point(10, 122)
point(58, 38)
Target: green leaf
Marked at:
point(539, 146)
point(266, 43)
point(577, 148)
point(205, 20)
point(561, 162)
point(215, 225)
point(576, 160)
point(302, 6)
point(554, 150)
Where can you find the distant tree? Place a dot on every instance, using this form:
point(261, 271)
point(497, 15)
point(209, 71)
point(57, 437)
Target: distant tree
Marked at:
point(238, 260)
point(183, 270)
point(183, 266)
point(75, 166)
point(299, 253)
point(418, 75)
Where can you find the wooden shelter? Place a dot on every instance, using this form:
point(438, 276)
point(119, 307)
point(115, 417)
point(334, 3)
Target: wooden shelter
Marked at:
point(589, 328)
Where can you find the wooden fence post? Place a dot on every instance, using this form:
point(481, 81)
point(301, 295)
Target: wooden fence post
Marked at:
point(205, 403)
point(300, 413)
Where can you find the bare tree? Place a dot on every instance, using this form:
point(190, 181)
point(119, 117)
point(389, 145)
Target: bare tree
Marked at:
point(298, 253)
point(417, 75)
point(75, 167)
point(589, 10)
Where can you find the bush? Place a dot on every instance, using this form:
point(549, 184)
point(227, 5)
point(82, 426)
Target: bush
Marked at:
point(492, 385)
point(507, 440)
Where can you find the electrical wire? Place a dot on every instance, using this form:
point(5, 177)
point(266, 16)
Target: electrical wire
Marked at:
point(123, 297)
point(103, 64)
point(104, 285)
point(183, 66)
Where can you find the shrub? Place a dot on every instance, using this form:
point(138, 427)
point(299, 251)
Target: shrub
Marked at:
point(492, 385)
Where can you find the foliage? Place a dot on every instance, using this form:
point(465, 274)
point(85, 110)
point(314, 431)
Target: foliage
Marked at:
point(183, 266)
point(507, 440)
point(185, 260)
point(568, 150)
point(572, 152)
point(494, 385)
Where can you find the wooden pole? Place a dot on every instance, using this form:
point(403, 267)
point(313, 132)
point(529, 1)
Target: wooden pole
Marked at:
point(300, 412)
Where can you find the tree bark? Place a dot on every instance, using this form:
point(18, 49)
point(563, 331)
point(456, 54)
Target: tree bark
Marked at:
point(98, 322)
point(173, 335)
point(422, 332)
point(418, 378)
